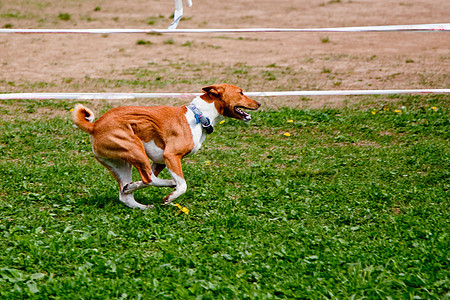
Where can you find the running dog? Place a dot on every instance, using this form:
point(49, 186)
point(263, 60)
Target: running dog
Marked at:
point(128, 136)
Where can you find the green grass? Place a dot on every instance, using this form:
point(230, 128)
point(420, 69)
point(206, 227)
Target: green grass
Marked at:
point(143, 42)
point(353, 204)
point(64, 16)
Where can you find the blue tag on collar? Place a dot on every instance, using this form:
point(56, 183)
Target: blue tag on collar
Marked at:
point(199, 118)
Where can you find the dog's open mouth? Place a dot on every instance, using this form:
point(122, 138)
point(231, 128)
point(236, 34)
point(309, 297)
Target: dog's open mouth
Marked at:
point(242, 114)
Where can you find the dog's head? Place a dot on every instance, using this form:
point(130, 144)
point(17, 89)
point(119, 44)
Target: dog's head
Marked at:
point(230, 101)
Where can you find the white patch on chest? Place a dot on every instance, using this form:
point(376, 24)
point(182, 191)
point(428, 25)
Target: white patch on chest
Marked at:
point(155, 153)
point(198, 134)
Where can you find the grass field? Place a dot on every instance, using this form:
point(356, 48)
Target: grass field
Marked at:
point(345, 203)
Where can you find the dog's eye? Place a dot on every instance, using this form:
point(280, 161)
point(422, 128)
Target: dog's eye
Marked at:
point(241, 93)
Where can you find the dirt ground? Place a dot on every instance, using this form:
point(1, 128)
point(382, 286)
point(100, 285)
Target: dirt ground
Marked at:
point(256, 62)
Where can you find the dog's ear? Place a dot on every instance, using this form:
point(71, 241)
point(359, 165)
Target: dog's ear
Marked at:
point(213, 90)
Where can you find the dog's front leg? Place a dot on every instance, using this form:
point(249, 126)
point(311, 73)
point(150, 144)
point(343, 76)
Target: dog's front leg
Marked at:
point(174, 167)
point(154, 180)
point(156, 169)
point(137, 185)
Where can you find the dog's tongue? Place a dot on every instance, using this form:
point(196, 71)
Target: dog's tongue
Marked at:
point(245, 116)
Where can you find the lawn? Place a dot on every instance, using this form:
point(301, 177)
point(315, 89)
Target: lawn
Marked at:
point(336, 203)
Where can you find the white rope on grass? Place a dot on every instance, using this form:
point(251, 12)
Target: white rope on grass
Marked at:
point(444, 27)
point(126, 96)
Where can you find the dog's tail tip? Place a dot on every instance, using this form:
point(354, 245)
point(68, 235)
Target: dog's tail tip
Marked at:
point(83, 117)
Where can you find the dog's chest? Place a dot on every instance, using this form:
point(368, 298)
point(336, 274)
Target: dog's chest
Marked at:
point(198, 139)
point(156, 154)
point(198, 135)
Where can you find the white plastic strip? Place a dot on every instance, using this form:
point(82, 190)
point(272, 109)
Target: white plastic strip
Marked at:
point(121, 96)
point(391, 28)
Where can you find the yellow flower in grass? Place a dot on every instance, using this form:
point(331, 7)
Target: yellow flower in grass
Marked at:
point(373, 112)
point(286, 134)
point(221, 122)
point(434, 108)
point(290, 121)
point(182, 208)
point(398, 111)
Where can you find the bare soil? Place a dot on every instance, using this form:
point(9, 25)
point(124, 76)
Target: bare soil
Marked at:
point(256, 62)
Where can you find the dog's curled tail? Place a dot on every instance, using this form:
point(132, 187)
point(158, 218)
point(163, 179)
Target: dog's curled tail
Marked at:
point(83, 117)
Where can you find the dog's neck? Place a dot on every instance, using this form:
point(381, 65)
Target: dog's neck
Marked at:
point(208, 110)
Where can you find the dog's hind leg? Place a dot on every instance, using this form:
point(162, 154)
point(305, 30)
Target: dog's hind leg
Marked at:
point(140, 161)
point(121, 170)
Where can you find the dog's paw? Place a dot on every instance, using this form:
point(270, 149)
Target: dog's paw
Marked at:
point(166, 201)
point(126, 189)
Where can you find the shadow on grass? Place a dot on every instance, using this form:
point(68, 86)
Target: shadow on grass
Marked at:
point(106, 198)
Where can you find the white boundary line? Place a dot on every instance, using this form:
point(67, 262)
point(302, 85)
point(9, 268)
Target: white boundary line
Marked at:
point(120, 96)
point(424, 27)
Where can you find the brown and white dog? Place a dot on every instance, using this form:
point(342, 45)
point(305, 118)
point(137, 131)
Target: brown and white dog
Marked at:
point(128, 136)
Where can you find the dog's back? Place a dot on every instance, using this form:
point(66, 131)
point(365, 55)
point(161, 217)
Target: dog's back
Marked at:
point(145, 122)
